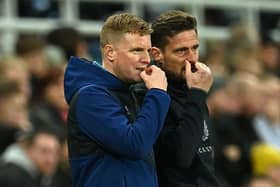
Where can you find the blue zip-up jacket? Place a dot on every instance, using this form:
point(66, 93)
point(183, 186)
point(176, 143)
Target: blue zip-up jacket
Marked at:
point(101, 118)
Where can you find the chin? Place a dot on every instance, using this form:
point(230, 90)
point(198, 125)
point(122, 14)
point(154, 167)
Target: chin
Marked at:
point(183, 76)
point(173, 76)
point(135, 80)
point(138, 80)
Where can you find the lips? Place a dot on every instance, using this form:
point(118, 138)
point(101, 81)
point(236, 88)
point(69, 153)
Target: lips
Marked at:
point(147, 69)
point(141, 68)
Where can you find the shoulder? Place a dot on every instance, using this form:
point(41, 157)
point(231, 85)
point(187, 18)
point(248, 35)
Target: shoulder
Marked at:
point(10, 171)
point(95, 95)
point(94, 89)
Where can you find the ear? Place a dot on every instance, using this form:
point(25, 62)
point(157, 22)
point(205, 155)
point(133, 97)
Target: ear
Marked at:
point(109, 52)
point(156, 55)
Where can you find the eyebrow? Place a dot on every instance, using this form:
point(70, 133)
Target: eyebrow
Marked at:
point(195, 46)
point(139, 49)
point(186, 48)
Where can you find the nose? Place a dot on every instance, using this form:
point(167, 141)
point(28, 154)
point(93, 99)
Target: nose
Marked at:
point(146, 58)
point(192, 56)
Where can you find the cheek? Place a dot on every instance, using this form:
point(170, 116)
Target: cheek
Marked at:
point(125, 61)
point(174, 64)
point(197, 56)
point(123, 67)
point(129, 63)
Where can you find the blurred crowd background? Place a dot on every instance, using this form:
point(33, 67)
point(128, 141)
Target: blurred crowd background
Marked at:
point(239, 40)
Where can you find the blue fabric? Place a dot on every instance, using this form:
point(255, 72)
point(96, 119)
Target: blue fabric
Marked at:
point(100, 116)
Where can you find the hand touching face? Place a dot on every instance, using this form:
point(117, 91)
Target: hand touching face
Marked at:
point(179, 59)
point(181, 47)
point(200, 78)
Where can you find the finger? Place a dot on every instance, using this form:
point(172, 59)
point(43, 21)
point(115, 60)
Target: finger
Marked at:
point(148, 70)
point(143, 75)
point(153, 67)
point(187, 67)
point(203, 67)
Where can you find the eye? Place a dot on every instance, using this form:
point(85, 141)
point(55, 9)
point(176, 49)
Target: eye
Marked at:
point(137, 49)
point(195, 48)
point(180, 52)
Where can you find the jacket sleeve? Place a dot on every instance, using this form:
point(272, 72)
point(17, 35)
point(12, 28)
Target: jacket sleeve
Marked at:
point(102, 118)
point(182, 133)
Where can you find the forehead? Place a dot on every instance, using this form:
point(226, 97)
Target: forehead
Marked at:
point(136, 39)
point(183, 39)
point(46, 140)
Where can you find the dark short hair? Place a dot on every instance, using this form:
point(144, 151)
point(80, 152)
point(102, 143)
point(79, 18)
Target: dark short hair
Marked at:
point(27, 43)
point(67, 38)
point(169, 24)
point(28, 136)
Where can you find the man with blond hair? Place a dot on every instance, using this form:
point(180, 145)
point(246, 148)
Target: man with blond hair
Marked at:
point(111, 135)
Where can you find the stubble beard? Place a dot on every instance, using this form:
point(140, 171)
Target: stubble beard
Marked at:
point(177, 77)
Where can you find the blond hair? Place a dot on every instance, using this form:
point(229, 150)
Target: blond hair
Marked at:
point(7, 62)
point(117, 25)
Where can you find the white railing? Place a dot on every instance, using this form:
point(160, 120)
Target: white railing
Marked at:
point(11, 24)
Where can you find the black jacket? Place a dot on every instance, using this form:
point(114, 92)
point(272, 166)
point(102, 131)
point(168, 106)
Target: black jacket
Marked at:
point(12, 175)
point(184, 151)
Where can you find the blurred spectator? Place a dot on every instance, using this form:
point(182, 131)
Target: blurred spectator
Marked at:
point(13, 112)
point(223, 98)
point(32, 49)
point(32, 161)
point(267, 123)
point(14, 68)
point(246, 63)
point(69, 40)
point(62, 176)
point(242, 50)
point(51, 110)
point(269, 55)
point(250, 89)
point(243, 39)
point(235, 133)
point(215, 58)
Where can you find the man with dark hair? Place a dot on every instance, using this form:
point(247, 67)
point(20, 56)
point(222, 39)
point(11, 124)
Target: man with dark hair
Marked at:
point(184, 151)
point(31, 48)
point(31, 161)
point(13, 118)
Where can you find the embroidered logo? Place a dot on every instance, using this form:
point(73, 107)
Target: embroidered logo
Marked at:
point(205, 135)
